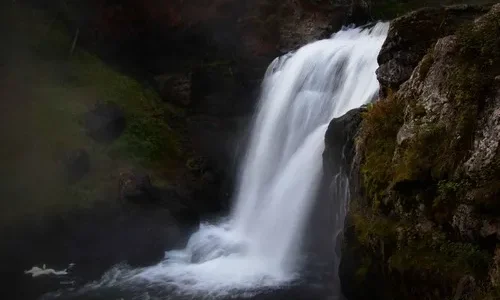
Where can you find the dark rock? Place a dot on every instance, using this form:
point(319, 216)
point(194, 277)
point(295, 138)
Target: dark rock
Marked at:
point(411, 35)
point(221, 141)
point(490, 228)
point(77, 165)
point(466, 221)
point(495, 270)
point(441, 188)
point(175, 88)
point(339, 138)
point(135, 187)
point(352, 261)
point(359, 12)
point(136, 192)
point(105, 122)
point(217, 91)
point(338, 158)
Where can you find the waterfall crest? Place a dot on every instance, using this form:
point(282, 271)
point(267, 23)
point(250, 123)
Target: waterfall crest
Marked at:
point(258, 246)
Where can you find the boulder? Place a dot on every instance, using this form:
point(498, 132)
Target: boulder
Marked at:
point(105, 122)
point(135, 187)
point(339, 138)
point(76, 164)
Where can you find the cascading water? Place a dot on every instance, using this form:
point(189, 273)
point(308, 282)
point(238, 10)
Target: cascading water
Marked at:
point(257, 247)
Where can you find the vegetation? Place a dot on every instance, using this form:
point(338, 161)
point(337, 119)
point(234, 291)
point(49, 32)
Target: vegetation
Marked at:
point(412, 188)
point(53, 87)
point(378, 137)
point(433, 253)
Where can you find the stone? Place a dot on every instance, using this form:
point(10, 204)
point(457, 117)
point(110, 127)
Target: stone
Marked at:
point(135, 187)
point(465, 221)
point(339, 138)
point(393, 73)
point(105, 122)
point(495, 270)
point(406, 132)
point(76, 164)
point(175, 88)
point(466, 288)
point(486, 141)
point(411, 35)
point(490, 228)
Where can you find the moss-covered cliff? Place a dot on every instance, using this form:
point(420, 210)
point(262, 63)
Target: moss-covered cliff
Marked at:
point(424, 223)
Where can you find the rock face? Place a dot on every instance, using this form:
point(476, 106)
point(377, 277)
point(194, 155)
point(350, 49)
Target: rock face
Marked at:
point(411, 36)
point(424, 212)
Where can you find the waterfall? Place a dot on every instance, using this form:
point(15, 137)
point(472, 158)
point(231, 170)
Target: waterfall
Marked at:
point(302, 92)
point(258, 246)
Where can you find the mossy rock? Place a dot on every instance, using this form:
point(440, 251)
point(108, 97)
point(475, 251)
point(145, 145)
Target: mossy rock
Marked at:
point(52, 89)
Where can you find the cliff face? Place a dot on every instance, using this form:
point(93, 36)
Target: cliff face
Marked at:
point(424, 215)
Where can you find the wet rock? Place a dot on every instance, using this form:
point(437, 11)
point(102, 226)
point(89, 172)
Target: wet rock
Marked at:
point(105, 122)
point(77, 164)
point(393, 73)
point(339, 138)
point(136, 187)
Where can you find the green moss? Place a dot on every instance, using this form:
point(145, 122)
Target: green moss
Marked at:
point(438, 256)
point(378, 135)
point(372, 228)
point(427, 169)
point(52, 93)
point(364, 268)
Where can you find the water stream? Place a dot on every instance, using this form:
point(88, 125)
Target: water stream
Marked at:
point(258, 246)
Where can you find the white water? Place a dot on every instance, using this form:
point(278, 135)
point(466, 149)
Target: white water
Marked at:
point(257, 247)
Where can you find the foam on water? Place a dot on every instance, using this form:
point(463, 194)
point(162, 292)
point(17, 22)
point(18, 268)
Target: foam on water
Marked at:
point(258, 247)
